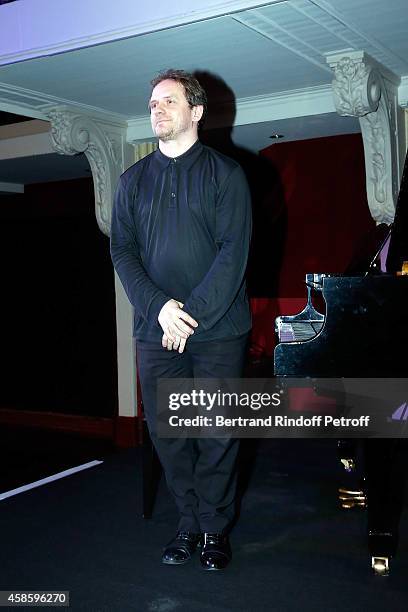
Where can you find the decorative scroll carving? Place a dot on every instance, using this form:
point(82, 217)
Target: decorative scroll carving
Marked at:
point(361, 88)
point(356, 88)
point(73, 133)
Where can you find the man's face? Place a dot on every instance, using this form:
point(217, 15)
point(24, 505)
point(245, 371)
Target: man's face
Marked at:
point(170, 114)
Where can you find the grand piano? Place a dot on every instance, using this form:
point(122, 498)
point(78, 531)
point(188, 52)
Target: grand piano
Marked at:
point(361, 333)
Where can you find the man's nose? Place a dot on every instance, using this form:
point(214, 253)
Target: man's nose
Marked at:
point(158, 110)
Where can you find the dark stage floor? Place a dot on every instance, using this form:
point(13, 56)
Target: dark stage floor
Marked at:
point(293, 547)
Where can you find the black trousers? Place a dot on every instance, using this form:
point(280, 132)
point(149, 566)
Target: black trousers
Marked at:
point(200, 473)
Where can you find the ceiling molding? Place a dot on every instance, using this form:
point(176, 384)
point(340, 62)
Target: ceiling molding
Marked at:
point(23, 111)
point(36, 104)
point(11, 187)
point(285, 105)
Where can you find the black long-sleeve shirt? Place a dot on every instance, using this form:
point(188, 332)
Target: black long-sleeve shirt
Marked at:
point(181, 229)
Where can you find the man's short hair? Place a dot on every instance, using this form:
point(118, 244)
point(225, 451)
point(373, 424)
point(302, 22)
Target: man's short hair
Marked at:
point(195, 94)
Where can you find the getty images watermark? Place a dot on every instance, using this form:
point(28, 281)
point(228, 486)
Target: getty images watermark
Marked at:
point(282, 407)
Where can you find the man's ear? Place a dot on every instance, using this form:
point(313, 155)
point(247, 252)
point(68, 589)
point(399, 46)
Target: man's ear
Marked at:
point(198, 112)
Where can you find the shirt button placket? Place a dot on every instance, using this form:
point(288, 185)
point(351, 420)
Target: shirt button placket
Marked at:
point(173, 183)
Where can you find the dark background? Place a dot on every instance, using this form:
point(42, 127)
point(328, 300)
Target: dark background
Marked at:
point(58, 324)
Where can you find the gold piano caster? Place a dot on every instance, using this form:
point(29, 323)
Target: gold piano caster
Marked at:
point(380, 566)
point(352, 498)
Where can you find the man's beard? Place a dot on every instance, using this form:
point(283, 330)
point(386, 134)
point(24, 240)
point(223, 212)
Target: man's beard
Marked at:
point(165, 136)
point(170, 132)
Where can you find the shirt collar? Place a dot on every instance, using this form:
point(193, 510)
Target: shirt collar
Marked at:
point(185, 160)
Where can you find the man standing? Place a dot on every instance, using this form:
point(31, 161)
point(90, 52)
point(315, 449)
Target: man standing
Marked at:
point(180, 236)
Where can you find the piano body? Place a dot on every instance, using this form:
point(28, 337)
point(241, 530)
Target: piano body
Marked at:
point(363, 333)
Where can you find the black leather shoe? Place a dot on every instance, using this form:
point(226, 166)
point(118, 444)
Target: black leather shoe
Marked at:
point(216, 552)
point(180, 549)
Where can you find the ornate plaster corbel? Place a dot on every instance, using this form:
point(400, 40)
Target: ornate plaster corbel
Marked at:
point(102, 141)
point(362, 88)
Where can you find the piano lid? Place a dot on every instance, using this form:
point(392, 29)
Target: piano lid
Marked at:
point(398, 249)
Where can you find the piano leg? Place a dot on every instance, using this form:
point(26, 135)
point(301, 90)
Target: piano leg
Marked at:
point(385, 471)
